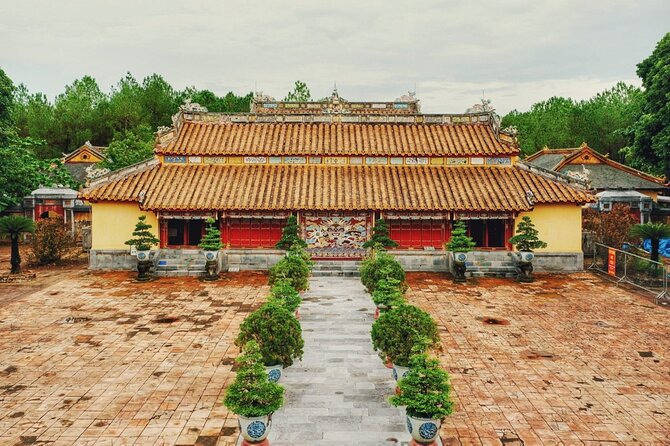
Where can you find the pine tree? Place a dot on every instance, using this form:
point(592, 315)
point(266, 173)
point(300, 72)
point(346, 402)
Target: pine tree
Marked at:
point(290, 235)
point(460, 241)
point(212, 239)
point(380, 235)
point(526, 238)
point(143, 238)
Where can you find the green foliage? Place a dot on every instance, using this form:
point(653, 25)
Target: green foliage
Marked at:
point(652, 231)
point(562, 122)
point(388, 291)
point(230, 103)
point(425, 390)
point(295, 267)
point(51, 241)
point(380, 265)
point(650, 149)
point(526, 238)
point(129, 147)
point(14, 226)
point(401, 331)
point(460, 241)
point(282, 292)
point(6, 106)
point(290, 235)
point(277, 332)
point(380, 235)
point(251, 394)
point(300, 93)
point(143, 238)
point(21, 172)
point(212, 239)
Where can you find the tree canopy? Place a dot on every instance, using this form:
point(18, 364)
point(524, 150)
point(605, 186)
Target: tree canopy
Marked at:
point(650, 149)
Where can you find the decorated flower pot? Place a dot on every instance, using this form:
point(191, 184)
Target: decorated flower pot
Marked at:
point(524, 265)
point(255, 429)
point(459, 258)
point(143, 255)
point(211, 255)
point(274, 372)
point(526, 256)
point(399, 372)
point(423, 430)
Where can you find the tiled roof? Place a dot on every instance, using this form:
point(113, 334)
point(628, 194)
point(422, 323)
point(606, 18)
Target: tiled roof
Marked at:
point(209, 187)
point(287, 139)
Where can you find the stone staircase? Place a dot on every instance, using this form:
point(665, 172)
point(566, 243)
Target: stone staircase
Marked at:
point(180, 262)
point(490, 264)
point(336, 268)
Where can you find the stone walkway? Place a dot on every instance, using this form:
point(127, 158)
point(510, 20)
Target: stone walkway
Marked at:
point(339, 393)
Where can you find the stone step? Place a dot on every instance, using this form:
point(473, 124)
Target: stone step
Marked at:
point(335, 273)
point(179, 273)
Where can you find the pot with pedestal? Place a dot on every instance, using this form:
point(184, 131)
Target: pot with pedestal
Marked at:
point(211, 265)
point(211, 244)
point(524, 265)
point(459, 244)
point(424, 431)
point(143, 239)
point(525, 241)
point(459, 260)
point(143, 265)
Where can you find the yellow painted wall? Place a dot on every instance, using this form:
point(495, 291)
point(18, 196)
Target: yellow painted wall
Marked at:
point(113, 223)
point(560, 225)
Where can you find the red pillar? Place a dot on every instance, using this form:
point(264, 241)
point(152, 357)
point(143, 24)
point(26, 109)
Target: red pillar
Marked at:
point(162, 224)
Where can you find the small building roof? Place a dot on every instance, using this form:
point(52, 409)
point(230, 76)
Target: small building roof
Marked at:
point(55, 192)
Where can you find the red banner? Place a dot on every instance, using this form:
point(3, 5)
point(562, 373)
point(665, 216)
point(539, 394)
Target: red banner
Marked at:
point(611, 262)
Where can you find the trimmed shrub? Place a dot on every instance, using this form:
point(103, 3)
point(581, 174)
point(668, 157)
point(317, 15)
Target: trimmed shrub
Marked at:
point(295, 267)
point(212, 239)
point(51, 241)
point(277, 332)
point(388, 293)
point(460, 241)
point(285, 294)
point(399, 333)
point(380, 236)
point(291, 235)
point(425, 389)
point(381, 265)
point(252, 394)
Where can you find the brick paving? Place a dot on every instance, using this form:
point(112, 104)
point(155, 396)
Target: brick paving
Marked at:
point(566, 360)
point(338, 394)
point(98, 359)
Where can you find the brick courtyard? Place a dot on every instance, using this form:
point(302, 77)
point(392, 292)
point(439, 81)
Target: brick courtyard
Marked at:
point(97, 359)
point(566, 360)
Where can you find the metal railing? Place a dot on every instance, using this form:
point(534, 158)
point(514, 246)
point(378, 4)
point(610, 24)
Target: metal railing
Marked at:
point(626, 267)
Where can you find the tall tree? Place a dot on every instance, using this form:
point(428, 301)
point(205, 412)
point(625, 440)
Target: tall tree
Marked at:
point(300, 93)
point(6, 106)
point(651, 146)
point(129, 147)
point(78, 114)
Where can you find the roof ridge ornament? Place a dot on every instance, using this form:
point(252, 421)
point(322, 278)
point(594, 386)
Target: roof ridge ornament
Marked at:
point(409, 97)
point(190, 106)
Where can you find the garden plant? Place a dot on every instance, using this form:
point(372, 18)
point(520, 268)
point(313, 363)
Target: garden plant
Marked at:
point(379, 264)
point(15, 226)
point(291, 235)
point(283, 293)
point(295, 267)
point(211, 244)
point(460, 243)
point(380, 236)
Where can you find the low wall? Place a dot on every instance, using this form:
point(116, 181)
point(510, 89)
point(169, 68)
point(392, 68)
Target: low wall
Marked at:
point(418, 260)
point(558, 262)
point(250, 259)
point(114, 259)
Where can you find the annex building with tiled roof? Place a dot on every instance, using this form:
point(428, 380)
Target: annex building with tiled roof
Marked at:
point(339, 166)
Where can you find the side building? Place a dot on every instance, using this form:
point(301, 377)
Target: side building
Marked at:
point(338, 166)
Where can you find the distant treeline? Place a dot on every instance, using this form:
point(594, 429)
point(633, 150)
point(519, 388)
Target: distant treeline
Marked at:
point(83, 112)
point(602, 122)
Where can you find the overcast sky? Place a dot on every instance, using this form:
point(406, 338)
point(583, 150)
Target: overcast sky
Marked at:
point(518, 52)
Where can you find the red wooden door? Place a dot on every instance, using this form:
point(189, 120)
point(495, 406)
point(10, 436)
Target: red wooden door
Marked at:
point(253, 232)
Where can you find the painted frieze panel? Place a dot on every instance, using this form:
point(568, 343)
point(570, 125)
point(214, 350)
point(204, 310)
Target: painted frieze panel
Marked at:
point(376, 160)
point(396, 161)
point(499, 161)
point(195, 159)
point(295, 160)
point(315, 160)
point(174, 159)
point(335, 160)
point(335, 232)
point(416, 161)
point(477, 161)
point(215, 160)
point(255, 159)
point(457, 161)
point(275, 160)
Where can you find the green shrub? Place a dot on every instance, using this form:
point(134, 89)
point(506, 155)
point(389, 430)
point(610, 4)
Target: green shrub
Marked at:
point(388, 293)
point(380, 236)
point(212, 239)
point(459, 240)
point(295, 267)
point(277, 332)
point(381, 265)
point(143, 238)
point(285, 294)
point(425, 389)
point(400, 331)
point(251, 394)
point(290, 235)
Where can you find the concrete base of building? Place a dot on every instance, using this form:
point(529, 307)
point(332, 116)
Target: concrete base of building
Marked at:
point(481, 262)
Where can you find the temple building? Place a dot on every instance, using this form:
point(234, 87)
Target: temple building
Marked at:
point(338, 166)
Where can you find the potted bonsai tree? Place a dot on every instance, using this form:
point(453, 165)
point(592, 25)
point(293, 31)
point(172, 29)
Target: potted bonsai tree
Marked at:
point(290, 235)
point(252, 396)
point(525, 241)
point(278, 335)
point(143, 240)
point(460, 244)
point(426, 393)
point(282, 292)
point(380, 236)
point(402, 331)
point(211, 244)
point(387, 294)
point(381, 265)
